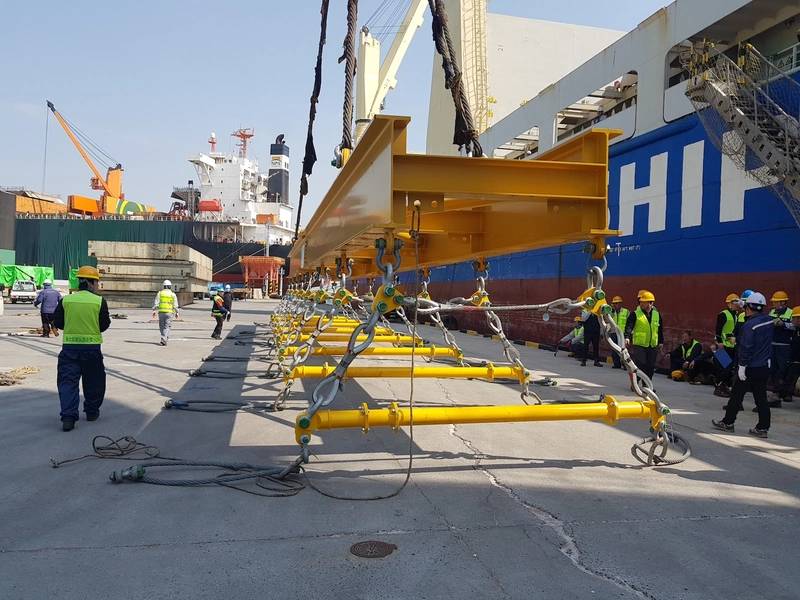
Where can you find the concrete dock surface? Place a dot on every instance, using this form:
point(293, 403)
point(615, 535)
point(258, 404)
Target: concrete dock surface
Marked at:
point(528, 510)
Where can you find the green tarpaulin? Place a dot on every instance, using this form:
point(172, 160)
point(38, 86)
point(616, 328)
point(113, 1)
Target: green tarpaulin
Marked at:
point(11, 273)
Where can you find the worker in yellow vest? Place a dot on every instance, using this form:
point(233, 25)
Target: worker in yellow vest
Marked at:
point(166, 306)
point(781, 316)
point(684, 355)
point(620, 316)
point(644, 333)
point(82, 317)
point(725, 334)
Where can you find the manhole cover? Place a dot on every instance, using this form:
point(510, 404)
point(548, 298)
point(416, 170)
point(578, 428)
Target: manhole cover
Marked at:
point(372, 549)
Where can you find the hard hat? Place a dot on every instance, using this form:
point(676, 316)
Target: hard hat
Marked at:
point(746, 294)
point(167, 283)
point(88, 272)
point(756, 299)
point(796, 311)
point(678, 375)
point(779, 296)
point(47, 282)
point(228, 288)
point(646, 296)
point(577, 319)
point(731, 298)
point(616, 299)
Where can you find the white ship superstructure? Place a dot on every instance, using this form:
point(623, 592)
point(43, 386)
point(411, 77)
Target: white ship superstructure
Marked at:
point(232, 188)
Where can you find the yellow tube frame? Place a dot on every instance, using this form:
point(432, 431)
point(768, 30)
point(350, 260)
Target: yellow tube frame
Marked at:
point(489, 372)
point(424, 352)
point(341, 337)
point(609, 410)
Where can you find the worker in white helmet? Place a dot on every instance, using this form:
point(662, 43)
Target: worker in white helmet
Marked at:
point(166, 306)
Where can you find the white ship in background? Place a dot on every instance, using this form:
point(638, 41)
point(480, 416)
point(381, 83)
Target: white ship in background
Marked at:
point(233, 189)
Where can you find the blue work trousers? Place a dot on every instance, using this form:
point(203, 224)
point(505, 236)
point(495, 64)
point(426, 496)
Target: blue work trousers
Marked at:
point(74, 365)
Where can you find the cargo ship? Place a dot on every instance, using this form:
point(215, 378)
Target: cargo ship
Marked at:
point(694, 225)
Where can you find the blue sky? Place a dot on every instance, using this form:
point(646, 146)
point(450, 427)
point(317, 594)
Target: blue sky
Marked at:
point(149, 84)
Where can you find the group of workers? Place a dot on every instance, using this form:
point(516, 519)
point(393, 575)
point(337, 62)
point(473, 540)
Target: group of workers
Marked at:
point(753, 350)
point(83, 317)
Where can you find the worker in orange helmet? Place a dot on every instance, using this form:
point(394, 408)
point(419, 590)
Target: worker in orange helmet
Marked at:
point(781, 316)
point(644, 333)
point(725, 336)
point(82, 317)
point(620, 316)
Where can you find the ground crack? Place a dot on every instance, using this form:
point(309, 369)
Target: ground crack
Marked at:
point(569, 546)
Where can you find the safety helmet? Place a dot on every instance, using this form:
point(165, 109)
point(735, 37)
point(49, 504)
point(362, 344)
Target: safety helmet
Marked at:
point(616, 299)
point(756, 299)
point(167, 283)
point(731, 298)
point(88, 272)
point(47, 283)
point(796, 311)
point(678, 375)
point(646, 296)
point(746, 294)
point(227, 288)
point(779, 296)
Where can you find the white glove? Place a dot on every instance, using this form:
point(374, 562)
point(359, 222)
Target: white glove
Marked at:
point(741, 373)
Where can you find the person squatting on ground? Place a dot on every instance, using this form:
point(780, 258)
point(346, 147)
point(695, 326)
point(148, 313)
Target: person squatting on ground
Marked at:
point(573, 341)
point(166, 305)
point(591, 335)
point(781, 316)
point(684, 355)
point(753, 358)
point(49, 299)
point(644, 333)
point(82, 317)
point(227, 297)
point(218, 311)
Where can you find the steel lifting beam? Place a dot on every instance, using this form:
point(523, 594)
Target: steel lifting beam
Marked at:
point(609, 410)
point(422, 352)
point(469, 207)
point(343, 337)
point(489, 372)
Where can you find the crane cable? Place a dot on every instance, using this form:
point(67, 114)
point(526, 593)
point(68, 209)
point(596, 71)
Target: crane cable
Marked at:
point(464, 135)
point(310, 153)
point(349, 58)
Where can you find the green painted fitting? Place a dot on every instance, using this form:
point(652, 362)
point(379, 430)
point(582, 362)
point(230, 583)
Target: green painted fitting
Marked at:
point(607, 309)
point(399, 299)
point(388, 291)
point(590, 303)
point(304, 422)
point(305, 439)
point(599, 294)
point(382, 307)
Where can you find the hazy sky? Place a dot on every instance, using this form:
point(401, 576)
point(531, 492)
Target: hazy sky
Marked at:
point(150, 80)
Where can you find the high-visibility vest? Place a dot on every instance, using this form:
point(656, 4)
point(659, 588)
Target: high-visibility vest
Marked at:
point(727, 328)
point(685, 352)
point(166, 301)
point(784, 315)
point(621, 318)
point(82, 318)
point(579, 334)
point(215, 307)
point(645, 333)
point(741, 317)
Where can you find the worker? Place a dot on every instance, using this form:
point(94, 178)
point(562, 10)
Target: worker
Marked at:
point(644, 333)
point(49, 299)
point(685, 354)
point(704, 368)
point(620, 315)
point(82, 316)
point(574, 339)
point(781, 316)
point(228, 298)
point(218, 311)
point(752, 373)
point(725, 334)
point(793, 372)
point(591, 335)
point(166, 306)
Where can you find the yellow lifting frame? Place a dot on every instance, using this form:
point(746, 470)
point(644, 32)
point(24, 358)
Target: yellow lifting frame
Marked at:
point(423, 352)
point(489, 372)
point(609, 410)
point(470, 207)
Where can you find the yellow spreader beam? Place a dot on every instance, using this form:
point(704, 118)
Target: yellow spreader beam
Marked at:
point(364, 418)
point(423, 352)
point(489, 372)
point(334, 329)
point(469, 208)
point(342, 337)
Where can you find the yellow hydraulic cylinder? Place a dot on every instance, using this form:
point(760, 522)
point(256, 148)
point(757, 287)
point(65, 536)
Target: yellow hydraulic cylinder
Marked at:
point(424, 352)
point(608, 410)
point(489, 372)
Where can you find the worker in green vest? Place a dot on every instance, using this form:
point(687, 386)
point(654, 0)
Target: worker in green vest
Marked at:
point(781, 316)
point(683, 356)
point(82, 317)
point(218, 311)
point(166, 306)
point(620, 316)
point(728, 320)
point(644, 333)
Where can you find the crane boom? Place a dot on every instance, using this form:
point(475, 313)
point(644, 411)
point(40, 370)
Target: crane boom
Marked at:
point(113, 186)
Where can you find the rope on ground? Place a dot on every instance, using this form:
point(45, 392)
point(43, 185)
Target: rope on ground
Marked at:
point(464, 135)
point(310, 153)
point(123, 448)
point(16, 376)
point(212, 406)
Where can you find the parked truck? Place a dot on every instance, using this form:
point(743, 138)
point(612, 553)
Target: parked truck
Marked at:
point(23, 291)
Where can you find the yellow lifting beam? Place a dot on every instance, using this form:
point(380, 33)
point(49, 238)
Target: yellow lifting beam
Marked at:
point(335, 329)
point(489, 372)
point(423, 352)
point(343, 337)
point(609, 410)
point(469, 207)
